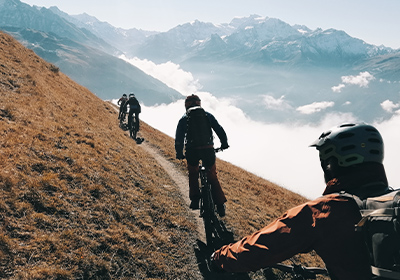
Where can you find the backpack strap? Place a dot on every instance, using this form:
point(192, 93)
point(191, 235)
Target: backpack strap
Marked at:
point(389, 274)
point(383, 212)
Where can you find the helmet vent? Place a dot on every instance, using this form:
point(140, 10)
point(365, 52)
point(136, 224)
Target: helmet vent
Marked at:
point(375, 152)
point(345, 135)
point(374, 140)
point(350, 159)
point(347, 148)
point(327, 151)
point(323, 135)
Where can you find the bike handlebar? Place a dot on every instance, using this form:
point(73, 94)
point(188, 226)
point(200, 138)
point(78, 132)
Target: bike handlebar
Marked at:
point(220, 149)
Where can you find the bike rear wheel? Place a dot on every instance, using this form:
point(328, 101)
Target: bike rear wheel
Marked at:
point(132, 129)
point(207, 209)
point(122, 119)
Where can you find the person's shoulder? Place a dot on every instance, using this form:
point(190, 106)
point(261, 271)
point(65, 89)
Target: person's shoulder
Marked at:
point(209, 114)
point(183, 118)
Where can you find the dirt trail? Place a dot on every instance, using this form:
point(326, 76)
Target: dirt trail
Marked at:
point(181, 181)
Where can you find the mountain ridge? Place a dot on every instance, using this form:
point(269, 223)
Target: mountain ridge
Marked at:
point(64, 44)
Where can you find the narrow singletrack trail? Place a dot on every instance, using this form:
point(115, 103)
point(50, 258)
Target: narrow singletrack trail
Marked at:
point(181, 180)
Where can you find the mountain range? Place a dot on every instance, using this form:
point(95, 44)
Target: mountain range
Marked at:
point(274, 71)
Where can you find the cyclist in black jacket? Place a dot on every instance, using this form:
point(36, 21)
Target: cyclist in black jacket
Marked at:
point(134, 108)
point(205, 152)
point(121, 102)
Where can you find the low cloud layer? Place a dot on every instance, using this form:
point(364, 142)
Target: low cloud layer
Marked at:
point(277, 152)
point(361, 80)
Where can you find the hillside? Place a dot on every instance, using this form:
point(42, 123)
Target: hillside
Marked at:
point(80, 200)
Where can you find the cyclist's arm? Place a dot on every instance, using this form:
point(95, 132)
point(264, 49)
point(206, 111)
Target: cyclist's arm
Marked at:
point(293, 233)
point(180, 136)
point(219, 130)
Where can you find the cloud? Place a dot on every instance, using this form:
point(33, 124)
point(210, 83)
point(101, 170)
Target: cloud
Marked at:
point(389, 106)
point(276, 104)
point(315, 107)
point(277, 152)
point(362, 80)
point(338, 88)
point(169, 73)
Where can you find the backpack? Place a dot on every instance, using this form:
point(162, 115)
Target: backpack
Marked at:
point(380, 226)
point(134, 105)
point(198, 132)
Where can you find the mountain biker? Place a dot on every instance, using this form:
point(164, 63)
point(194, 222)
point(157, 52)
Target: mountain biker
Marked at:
point(206, 153)
point(134, 108)
point(121, 102)
point(351, 157)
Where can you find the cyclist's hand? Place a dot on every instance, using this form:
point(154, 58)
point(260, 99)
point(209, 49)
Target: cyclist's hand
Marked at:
point(214, 267)
point(180, 156)
point(224, 146)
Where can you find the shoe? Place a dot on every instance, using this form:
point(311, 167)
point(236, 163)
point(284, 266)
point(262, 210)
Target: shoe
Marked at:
point(221, 210)
point(194, 205)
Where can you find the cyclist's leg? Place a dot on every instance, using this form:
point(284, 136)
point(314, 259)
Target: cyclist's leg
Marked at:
point(120, 112)
point(130, 118)
point(137, 121)
point(192, 159)
point(209, 162)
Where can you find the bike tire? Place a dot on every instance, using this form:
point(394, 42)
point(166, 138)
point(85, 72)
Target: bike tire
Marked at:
point(208, 211)
point(207, 219)
point(132, 129)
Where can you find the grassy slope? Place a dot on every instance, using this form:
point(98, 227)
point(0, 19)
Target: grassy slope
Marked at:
point(79, 200)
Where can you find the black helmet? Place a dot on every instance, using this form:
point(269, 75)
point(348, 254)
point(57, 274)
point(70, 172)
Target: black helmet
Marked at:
point(124, 95)
point(131, 95)
point(351, 144)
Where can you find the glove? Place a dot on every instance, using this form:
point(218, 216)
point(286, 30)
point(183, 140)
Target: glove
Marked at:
point(224, 146)
point(213, 266)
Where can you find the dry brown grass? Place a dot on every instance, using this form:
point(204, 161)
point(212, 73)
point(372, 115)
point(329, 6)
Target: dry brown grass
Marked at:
point(80, 200)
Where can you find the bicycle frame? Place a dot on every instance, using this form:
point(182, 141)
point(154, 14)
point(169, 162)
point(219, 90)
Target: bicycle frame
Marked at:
point(132, 128)
point(122, 119)
point(301, 272)
point(213, 227)
point(207, 208)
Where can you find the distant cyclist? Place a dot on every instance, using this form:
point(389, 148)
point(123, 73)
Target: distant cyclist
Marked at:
point(194, 131)
point(134, 109)
point(121, 102)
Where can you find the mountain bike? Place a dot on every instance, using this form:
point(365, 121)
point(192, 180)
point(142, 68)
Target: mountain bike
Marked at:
point(299, 272)
point(122, 123)
point(215, 230)
point(133, 128)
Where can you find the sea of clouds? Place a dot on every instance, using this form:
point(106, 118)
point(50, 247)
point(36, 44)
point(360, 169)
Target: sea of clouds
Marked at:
point(277, 152)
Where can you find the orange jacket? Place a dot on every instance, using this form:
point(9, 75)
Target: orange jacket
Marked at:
point(325, 225)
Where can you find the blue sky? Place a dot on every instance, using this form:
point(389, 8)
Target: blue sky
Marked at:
point(374, 21)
